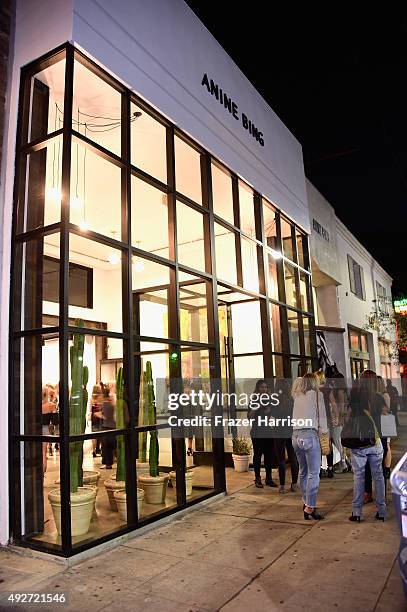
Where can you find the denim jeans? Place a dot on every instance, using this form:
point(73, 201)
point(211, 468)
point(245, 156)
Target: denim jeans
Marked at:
point(308, 451)
point(374, 456)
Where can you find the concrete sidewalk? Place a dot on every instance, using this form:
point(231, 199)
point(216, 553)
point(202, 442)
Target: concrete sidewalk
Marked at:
point(250, 551)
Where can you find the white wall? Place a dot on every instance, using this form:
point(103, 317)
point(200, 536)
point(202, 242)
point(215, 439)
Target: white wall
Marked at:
point(354, 310)
point(40, 25)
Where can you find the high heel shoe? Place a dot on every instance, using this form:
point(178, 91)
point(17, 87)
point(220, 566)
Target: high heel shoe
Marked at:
point(379, 518)
point(330, 472)
point(354, 519)
point(314, 515)
point(258, 483)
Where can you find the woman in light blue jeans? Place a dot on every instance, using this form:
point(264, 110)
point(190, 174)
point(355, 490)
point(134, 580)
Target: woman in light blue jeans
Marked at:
point(374, 456)
point(310, 417)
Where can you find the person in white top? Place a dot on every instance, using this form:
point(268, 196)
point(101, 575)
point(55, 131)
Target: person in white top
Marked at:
point(309, 418)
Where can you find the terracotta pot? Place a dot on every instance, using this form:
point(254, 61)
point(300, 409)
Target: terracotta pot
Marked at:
point(241, 462)
point(189, 477)
point(111, 486)
point(155, 488)
point(120, 497)
point(82, 504)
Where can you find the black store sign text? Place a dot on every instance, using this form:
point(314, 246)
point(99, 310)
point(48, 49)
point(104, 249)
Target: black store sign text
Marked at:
point(232, 107)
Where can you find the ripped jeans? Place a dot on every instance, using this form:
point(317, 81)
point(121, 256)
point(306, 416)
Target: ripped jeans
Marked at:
point(308, 450)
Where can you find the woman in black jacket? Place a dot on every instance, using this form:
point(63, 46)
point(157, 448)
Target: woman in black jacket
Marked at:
point(263, 443)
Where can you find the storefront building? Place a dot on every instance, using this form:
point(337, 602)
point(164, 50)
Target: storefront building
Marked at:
point(159, 236)
point(352, 294)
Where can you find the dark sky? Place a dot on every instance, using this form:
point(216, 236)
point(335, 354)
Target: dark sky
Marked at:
point(339, 83)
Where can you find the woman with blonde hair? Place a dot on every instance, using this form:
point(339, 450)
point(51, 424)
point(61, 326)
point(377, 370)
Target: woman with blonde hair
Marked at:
point(309, 419)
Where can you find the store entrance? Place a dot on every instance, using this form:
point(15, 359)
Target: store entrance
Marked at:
point(241, 356)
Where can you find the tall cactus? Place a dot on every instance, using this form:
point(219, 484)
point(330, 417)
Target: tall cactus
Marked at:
point(85, 400)
point(151, 419)
point(120, 424)
point(143, 420)
point(76, 406)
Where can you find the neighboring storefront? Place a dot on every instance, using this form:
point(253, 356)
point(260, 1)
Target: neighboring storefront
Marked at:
point(352, 294)
point(159, 238)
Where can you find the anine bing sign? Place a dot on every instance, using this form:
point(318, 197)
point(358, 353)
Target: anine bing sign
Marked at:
point(232, 108)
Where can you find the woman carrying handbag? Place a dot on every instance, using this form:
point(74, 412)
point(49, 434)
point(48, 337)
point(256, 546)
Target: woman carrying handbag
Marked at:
point(361, 435)
point(310, 435)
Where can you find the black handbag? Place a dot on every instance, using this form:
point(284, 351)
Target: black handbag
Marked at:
point(359, 432)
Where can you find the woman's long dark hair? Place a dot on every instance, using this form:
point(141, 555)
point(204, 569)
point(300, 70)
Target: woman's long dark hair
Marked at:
point(364, 392)
point(259, 383)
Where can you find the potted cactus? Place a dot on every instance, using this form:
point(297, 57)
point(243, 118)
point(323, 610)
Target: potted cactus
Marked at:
point(189, 478)
point(241, 454)
point(82, 496)
point(154, 483)
point(143, 466)
point(116, 487)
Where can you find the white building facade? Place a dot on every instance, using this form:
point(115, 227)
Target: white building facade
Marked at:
point(352, 293)
point(159, 204)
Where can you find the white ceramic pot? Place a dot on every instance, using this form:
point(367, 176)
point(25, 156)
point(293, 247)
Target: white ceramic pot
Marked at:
point(120, 497)
point(91, 478)
point(82, 504)
point(189, 477)
point(143, 468)
point(111, 486)
point(241, 462)
point(155, 488)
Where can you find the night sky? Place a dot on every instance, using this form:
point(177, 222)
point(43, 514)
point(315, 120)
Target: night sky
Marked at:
point(339, 83)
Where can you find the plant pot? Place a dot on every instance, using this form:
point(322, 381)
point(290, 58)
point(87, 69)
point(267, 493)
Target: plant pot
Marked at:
point(155, 488)
point(143, 468)
point(113, 485)
point(189, 477)
point(241, 462)
point(82, 504)
point(91, 478)
point(120, 497)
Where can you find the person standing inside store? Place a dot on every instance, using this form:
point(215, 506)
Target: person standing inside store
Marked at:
point(283, 433)
point(394, 399)
point(262, 440)
point(363, 403)
point(310, 420)
point(96, 422)
point(49, 413)
point(376, 405)
point(108, 422)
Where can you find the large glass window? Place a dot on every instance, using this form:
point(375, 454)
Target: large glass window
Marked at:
point(149, 219)
point(188, 170)
point(246, 210)
point(222, 193)
point(47, 101)
point(96, 111)
point(151, 286)
point(225, 249)
point(190, 237)
point(95, 192)
point(148, 143)
point(114, 307)
point(40, 202)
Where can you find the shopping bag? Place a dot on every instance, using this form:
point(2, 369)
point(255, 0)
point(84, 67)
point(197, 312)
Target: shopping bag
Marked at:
point(388, 426)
